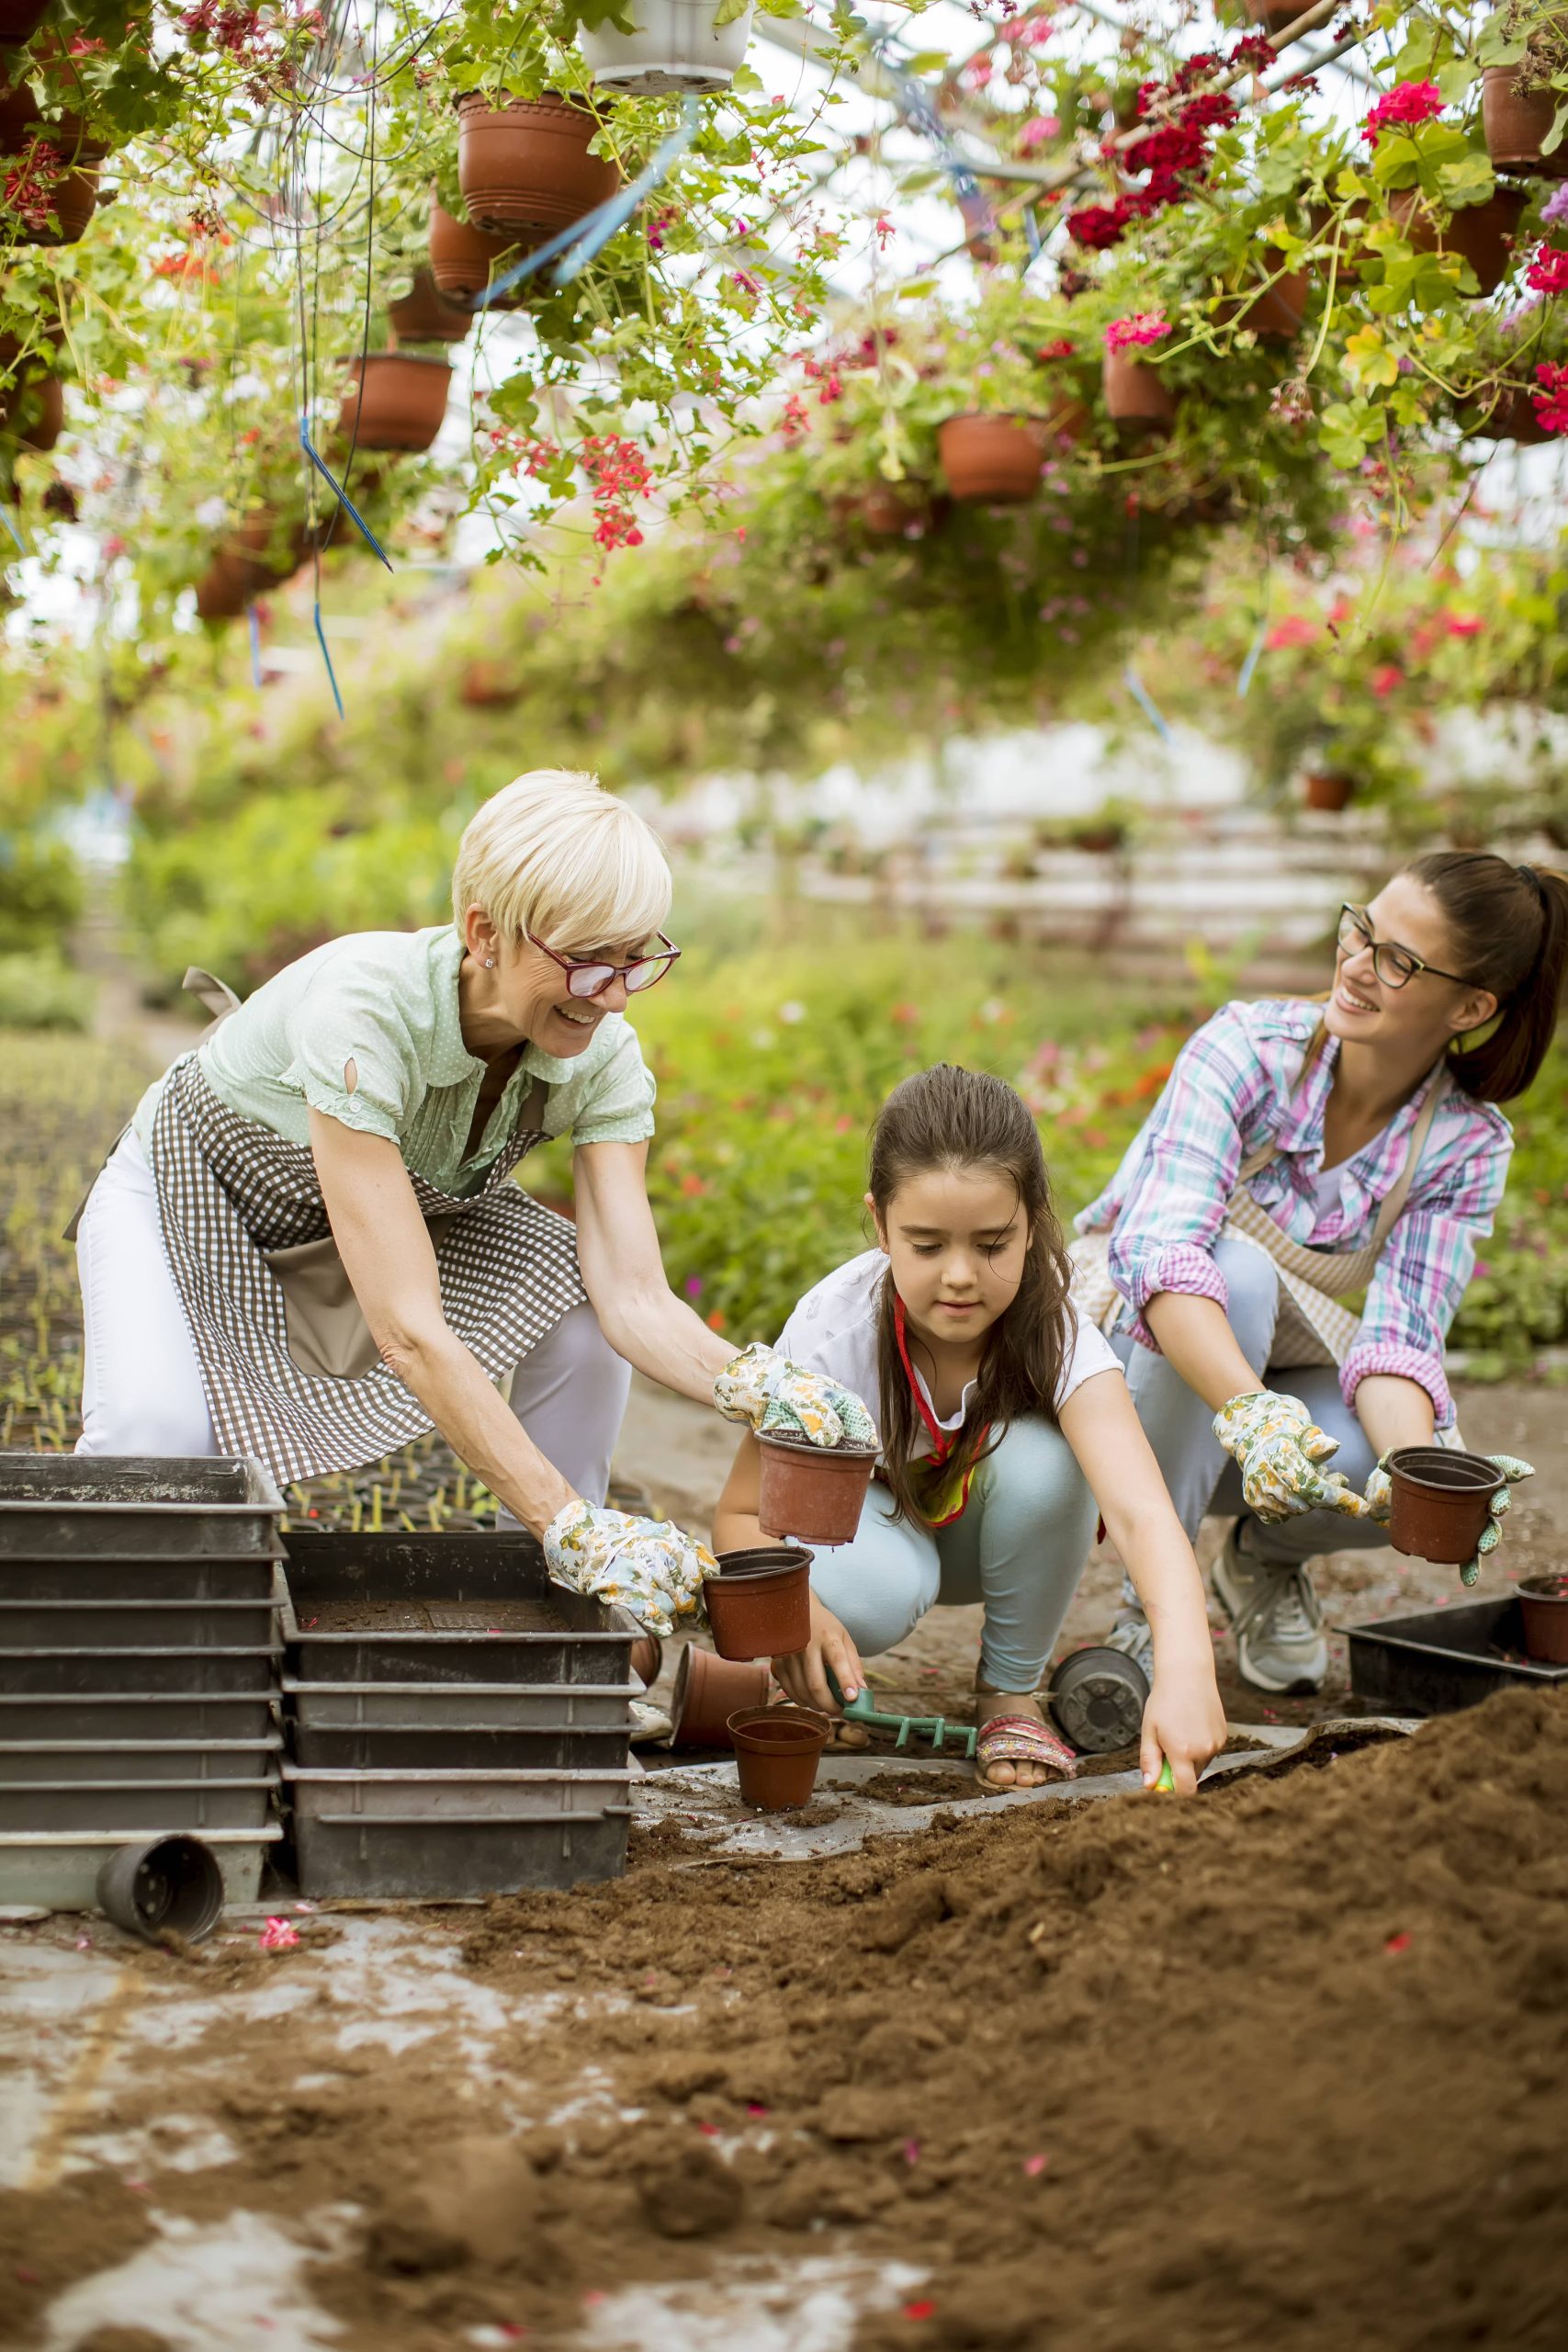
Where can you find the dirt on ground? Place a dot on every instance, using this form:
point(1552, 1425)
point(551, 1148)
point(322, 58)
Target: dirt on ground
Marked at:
point(1283, 2065)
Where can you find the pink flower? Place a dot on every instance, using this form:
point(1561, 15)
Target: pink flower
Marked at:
point(1463, 624)
point(1294, 630)
point(278, 1936)
point(1407, 102)
point(1036, 131)
point(1385, 678)
point(1145, 327)
point(1554, 211)
point(1547, 273)
point(1552, 401)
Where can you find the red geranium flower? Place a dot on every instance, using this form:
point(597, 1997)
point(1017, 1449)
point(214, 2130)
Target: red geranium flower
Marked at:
point(1407, 102)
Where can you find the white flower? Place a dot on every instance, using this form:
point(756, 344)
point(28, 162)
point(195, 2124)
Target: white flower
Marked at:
point(792, 1011)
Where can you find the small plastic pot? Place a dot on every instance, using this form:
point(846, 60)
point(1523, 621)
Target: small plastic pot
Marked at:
point(812, 1492)
point(708, 1690)
point(165, 1884)
point(1510, 415)
point(1543, 1601)
point(760, 1603)
point(647, 1657)
point(1273, 313)
point(1326, 788)
point(1441, 1502)
point(777, 1750)
point(1097, 1696)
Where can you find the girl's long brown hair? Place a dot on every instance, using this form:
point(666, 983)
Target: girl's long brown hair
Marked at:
point(1510, 925)
point(947, 1118)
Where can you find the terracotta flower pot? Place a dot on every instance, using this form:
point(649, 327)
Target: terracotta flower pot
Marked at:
point(886, 511)
point(812, 1492)
point(1515, 122)
point(225, 588)
point(777, 1750)
point(20, 19)
point(463, 259)
point(1275, 15)
point(1441, 1502)
point(991, 460)
point(33, 408)
point(425, 315)
point(258, 553)
point(647, 1657)
point(1067, 421)
point(708, 1690)
point(1137, 395)
point(760, 1603)
point(487, 685)
point(1326, 788)
point(1482, 233)
point(1273, 313)
point(72, 199)
point(677, 45)
point(1508, 413)
point(1544, 1603)
point(524, 165)
point(397, 401)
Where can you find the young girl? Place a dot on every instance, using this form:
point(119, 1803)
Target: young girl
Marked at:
point(1004, 1423)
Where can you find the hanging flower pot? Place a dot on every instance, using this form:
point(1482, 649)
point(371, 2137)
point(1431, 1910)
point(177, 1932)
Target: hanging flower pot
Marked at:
point(487, 685)
point(886, 511)
point(1516, 121)
point(1273, 313)
point(993, 460)
point(1507, 412)
point(524, 165)
point(1066, 422)
point(49, 206)
point(397, 401)
point(20, 19)
point(463, 259)
point(32, 407)
point(1326, 788)
point(225, 588)
point(1137, 395)
point(1481, 233)
point(678, 45)
point(1275, 15)
point(424, 314)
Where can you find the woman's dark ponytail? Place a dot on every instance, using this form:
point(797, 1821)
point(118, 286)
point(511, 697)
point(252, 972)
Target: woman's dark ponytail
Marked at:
point(1510, 930)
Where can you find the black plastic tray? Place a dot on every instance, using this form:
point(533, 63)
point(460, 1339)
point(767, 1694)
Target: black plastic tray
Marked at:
point(403, 1860)
point(139, 1577)
point(25, 1763)
point(116, 1804)
point(488, 1748)
point(1439, 1660)
point(80, 1672)
point(130, 1506)
point(30, 1623)
point(137, 1715)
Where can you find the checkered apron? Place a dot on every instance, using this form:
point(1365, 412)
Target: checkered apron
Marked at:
point(230, 1190)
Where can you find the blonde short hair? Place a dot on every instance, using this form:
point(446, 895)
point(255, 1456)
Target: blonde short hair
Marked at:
point(556, 854)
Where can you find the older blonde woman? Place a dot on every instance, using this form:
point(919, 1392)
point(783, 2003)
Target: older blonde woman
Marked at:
point(307, 1247)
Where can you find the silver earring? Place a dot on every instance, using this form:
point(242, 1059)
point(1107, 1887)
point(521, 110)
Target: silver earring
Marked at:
point(490, 963)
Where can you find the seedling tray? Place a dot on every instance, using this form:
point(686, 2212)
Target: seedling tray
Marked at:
point(126, 1507)
point(483, 1747)
point(434, 1797)
point(208, 1672)
point(60, 1868)
point(461, 1707)
point(134, 1715)
point(121, 1805)
point(1439, 1660)
point(340, 1854)
point(136, 1625)
point(139, 1577)
point(32, 1762)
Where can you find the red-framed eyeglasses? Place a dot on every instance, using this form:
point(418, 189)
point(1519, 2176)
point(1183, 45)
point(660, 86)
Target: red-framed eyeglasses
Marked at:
point(588, 979)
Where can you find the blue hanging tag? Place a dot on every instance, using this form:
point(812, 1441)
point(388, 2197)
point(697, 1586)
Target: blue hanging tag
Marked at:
point(339, 492)
point(1147, 703)
point(331, 674)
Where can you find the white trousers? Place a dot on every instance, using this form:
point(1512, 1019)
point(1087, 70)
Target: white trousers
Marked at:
point(141, 1389)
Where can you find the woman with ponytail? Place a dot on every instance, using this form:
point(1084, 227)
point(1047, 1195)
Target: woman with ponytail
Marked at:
point(1304, 1153)
point(1004, 1423)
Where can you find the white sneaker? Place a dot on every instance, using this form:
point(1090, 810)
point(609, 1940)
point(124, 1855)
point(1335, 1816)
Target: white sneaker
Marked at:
point(1132, 1637)
point(1277, 1617)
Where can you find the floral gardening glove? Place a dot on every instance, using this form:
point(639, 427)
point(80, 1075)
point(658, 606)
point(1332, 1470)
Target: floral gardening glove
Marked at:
point(1379, 1499)
point(647, 1566)
point(775, 1395)
point(1278, 1446)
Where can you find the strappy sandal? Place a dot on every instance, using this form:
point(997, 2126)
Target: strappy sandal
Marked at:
point(1020, 1740)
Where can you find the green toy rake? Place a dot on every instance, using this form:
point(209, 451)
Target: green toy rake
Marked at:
point(936, 1728)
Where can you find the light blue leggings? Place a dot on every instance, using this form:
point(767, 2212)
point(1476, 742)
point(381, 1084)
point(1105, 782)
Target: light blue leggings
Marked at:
point(1195, 1466)
point(1018, 1549)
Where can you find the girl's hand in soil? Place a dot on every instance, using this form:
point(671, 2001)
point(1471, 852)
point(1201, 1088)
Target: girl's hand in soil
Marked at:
point(649, 1565)
point(781, 1398)
point(1276, 1446)
point(1184, 1722)
point(804, 1675)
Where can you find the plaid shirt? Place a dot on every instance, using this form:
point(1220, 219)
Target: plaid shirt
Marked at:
point(1235, 1088)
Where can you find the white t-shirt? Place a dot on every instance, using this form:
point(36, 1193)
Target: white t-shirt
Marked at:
point(833, 1330)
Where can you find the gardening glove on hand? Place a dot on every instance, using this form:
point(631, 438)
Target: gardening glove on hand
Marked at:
point(649, 1565)
point(1513, 1469)
point(1378, 1499)
point(779, 1398)
point(1276, 1446)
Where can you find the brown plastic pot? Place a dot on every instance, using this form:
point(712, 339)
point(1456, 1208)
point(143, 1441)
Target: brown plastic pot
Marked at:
point(1275, 15)
point(1136, 394)
point(72, 200)
point(647, 1657)
point(812, 1492)
point(886, 511)
point(1481, 233)
point(425, 315)
point(760, 1603)
point(708, 1690)
point(524, 165)
point(1544, 1603)
point(1324, 788)
point(992, 459)
point(20, 19)
point(1441, 1502)
point(1515, 121)
point(462, 258)
point(397, 401)
point(1273, 313)
point(777, 1750)
point(1510, 415)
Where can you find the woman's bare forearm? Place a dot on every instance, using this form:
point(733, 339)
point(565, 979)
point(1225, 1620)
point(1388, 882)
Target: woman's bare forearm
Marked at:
point(659, 1334)
point(480, 1427)
point(1195, 1336)
point(1393, 1412)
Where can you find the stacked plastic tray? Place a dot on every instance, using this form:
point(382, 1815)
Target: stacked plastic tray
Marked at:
point(456, 1726)
point(139, 1665)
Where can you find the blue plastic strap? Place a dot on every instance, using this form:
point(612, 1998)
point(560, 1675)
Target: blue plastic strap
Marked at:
point(255, 645)
point(6, 513)
point(339, 492)
point(321, 641)
point(914, 103)
point(1146, 703)
point(587, 236)
point(1032, 235)
point(1254, 654)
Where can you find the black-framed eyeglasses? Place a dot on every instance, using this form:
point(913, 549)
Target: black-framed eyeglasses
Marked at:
point(1393, 965)
point(593, 980)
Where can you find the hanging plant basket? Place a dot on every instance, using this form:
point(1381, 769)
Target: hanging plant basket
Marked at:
point(1507, 412)
point(992, 460)
point(1515, 122)
point(1275, 15)
point(259, 553)
point(32, 409)
point(463, 259)
point(424, 314)
point(488, 685)
point(1482, 233)
point(886, 511)
point(678, 45)
point(525, 165)
point(1273, 313)
point(1326, 789)
point(20, 19)
point(397, 401)
point(73, 200)
point(1137, 395)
